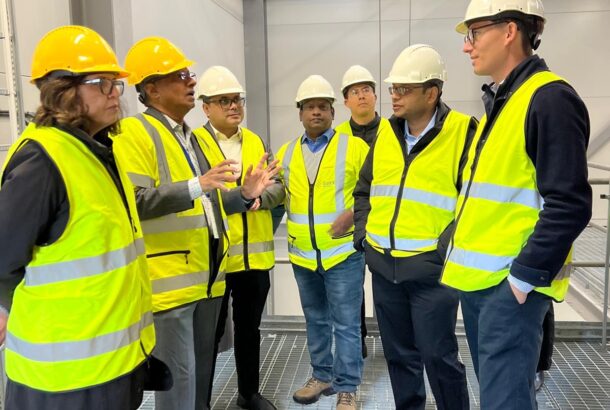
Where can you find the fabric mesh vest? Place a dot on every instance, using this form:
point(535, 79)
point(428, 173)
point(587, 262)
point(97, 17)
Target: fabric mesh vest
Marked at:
point(312, 208)
point(499, 205)
point(177, 244)
point(82, 315)
point(408, 215)
point(250, 233)
point(346, 128)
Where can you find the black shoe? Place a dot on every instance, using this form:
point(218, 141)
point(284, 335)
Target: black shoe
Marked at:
point(365, 350)
point(256, 402)
point(539, 380)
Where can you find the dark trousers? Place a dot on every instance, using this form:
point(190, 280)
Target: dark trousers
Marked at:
point(504, 339)
point(417, 325)
point(548, 340)
point(249, 291)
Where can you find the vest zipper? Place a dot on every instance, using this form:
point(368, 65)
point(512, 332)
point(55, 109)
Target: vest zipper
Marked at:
point(244, 219)
point(312, 231)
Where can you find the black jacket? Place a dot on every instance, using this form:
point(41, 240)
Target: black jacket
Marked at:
point(426, 265)
point(557, 134)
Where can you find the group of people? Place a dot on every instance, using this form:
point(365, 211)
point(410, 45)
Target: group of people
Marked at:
point(122, 241)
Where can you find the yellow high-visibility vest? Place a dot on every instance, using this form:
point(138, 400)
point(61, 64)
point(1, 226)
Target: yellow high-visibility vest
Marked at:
point(82, 316)
point(313, 207)
point(177, 244)
point(251, 233)
point(499, 204)
point(412, 204)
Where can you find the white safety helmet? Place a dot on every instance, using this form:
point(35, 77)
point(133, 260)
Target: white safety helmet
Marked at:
point(314, 86)
point(483, 9)
point(417, 64)
point(354, 75)
point(218, 80)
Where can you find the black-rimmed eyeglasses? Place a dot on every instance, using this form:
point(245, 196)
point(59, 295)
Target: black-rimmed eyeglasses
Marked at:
point(106, 85)
point(473, 33)
point(226, 103)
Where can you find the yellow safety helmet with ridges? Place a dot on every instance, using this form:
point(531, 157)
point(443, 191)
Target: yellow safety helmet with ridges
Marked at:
point(154, 56)
point(71, 50)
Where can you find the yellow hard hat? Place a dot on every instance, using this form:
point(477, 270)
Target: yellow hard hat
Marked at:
point(315, 86)
point(356, 74)
point(153, 56)
point(417, 64)
point(73, 50)
point(218, 80)
point(481, 9)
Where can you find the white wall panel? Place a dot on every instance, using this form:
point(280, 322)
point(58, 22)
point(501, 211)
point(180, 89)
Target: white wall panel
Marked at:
point(296, 12)
point(575, 46)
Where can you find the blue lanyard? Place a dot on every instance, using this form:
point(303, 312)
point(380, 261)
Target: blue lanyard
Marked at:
point(188, 157)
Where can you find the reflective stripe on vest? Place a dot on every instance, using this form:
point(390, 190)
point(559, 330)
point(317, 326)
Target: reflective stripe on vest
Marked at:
point(411, 194)
point(498, 193)
point(82, 268)
point(499, 204)
point(81, 349)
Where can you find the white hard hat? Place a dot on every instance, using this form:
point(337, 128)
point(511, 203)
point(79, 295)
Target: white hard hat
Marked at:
point(356, 74)
point(417, 64)
point(218, 80)
point(315, 86)
point(480, 9)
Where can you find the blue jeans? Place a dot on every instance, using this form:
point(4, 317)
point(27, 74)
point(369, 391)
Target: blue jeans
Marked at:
point(331, 302)
point(504, 338)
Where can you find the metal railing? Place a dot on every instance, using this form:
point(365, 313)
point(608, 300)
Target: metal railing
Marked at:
point(604, 181)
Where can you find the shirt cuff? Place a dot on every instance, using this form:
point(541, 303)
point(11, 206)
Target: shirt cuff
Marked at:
point(521, 285)
point(195, 190)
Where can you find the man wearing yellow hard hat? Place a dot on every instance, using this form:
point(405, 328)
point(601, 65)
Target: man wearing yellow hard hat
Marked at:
point(251, 254)
point(73, 273)
point(524, 200)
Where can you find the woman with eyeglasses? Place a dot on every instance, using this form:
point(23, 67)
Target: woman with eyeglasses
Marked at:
point(74, 285)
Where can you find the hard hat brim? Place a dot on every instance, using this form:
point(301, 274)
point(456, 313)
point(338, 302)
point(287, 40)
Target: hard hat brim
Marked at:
point(183, 64)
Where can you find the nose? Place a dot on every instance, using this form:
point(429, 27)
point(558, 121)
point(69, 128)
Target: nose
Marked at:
point(467, 47)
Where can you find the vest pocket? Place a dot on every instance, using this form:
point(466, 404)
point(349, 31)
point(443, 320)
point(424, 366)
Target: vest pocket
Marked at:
point(186, 254)
point(345, 235)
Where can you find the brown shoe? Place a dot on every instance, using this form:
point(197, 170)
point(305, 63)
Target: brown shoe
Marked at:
point(312, 390)
point(346, 401)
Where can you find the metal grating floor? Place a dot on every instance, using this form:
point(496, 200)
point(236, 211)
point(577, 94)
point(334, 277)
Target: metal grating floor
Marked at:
point(579, 378)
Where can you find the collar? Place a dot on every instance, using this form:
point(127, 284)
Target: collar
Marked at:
point(430, 125)
point(324, 137)
point(373, 124)
point(173, 124)
point(237, 137)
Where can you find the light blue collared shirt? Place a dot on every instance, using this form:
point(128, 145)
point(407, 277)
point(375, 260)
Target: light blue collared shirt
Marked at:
point(320, 142)
point(411, 139)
